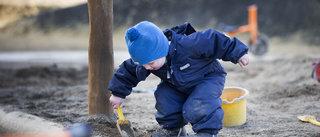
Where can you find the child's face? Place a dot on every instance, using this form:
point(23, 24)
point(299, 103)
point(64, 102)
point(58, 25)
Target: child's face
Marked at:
point(156, 64)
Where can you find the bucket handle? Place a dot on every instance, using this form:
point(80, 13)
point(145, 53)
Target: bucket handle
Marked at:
point(314, 68)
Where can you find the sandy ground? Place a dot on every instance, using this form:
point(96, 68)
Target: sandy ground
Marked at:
point(279, 83)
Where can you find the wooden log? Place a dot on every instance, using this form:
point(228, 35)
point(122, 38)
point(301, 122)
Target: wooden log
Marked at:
point(101, 64)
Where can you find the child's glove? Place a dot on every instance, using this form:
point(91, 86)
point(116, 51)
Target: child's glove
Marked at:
point(244, 60)
point(115, 101)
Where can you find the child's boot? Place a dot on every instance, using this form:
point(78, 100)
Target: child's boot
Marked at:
point(176, 132)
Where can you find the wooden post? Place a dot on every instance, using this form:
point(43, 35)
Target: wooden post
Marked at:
point(100, 56)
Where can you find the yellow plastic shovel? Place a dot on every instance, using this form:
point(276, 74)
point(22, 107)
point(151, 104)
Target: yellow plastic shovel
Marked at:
point(308, 118)
point(124, 126)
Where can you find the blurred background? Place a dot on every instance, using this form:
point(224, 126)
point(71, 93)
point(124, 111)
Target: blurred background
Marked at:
point(64, 24)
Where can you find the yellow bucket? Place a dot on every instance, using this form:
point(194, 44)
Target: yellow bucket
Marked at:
point(234, 106)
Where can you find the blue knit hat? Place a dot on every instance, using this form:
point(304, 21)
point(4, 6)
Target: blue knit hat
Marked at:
point(146, 42)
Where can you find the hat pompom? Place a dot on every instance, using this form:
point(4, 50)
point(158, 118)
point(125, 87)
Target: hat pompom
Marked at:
point(146, 42)
point(132, 34)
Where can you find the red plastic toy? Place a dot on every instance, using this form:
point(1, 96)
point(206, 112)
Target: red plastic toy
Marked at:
point(316, 71)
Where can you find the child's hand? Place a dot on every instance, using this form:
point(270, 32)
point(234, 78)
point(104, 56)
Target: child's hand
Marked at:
point(115, 101)
point(244, 60)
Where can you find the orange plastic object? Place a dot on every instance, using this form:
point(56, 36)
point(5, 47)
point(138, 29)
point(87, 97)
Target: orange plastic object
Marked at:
point(252, 26)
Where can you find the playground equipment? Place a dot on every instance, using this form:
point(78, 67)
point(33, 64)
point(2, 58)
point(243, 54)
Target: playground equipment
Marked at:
point(258, 43)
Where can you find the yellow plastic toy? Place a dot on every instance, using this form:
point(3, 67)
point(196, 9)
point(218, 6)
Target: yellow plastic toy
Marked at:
point(234, 106)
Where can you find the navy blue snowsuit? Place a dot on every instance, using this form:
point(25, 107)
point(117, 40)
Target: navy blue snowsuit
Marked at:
point(192, 79)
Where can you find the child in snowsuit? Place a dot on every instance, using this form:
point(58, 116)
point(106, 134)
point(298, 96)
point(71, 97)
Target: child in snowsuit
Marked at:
point(192, 79)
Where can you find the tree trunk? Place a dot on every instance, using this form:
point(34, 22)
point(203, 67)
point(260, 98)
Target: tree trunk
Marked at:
point(100, 56)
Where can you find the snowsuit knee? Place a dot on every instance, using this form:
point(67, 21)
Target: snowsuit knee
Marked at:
point(200, 105)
